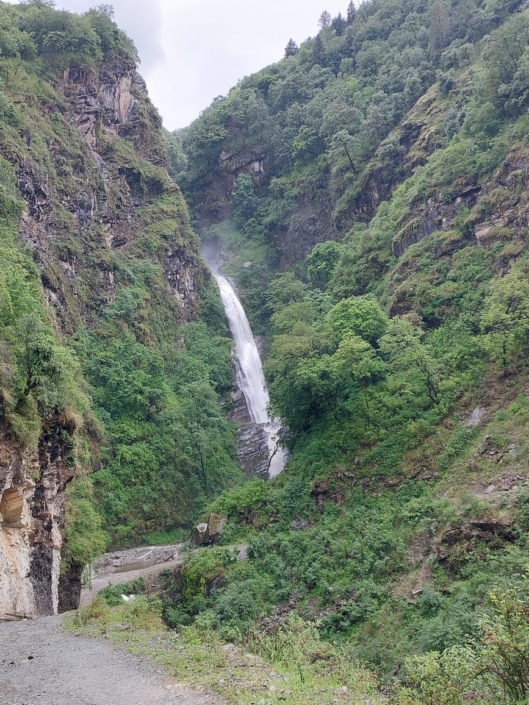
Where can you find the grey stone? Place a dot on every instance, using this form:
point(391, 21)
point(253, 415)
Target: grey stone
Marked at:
point(216, 526)
point(299, 524)
point(208, 532)
point(475, 417)
point(199, 535)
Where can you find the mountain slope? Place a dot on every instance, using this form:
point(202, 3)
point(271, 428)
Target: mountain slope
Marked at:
point(369, 192)
point(112, 339)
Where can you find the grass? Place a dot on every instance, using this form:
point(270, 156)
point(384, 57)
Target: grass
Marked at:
point(291, 666)
point(163, 538)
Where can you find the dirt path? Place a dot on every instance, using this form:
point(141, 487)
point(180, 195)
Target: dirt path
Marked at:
point(41, 665)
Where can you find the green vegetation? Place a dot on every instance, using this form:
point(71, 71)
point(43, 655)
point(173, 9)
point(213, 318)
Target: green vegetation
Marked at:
point(375, 181)
point(376, 186)
point(99, 338)
point(292, 663)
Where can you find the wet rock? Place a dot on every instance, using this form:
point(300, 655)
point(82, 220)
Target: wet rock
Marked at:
point(31, 521)
point(252, 448)
point(70, 585)
point(459, 540)
point(299, 524)
point(216, 526)
point(239, 411)
point(322, 493)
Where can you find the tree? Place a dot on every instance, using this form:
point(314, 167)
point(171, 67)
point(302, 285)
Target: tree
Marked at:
point(359, 315)
point(505, 651)
point(285, 289)
point(354, 367)
point(345, 144)
point(351, 13)
point(105, 9)
point(291, 48)
point(245, 201)
point(325, 19)
point(339, 24)
point(318, 51)
point(505, 319)
point(322, 262)
point(503, 56)
point(440, 28)
point(300, 382)
point(176, 157)
point(409, 359)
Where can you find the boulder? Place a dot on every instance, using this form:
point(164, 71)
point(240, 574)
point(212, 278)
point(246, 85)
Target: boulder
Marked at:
point(216, 525)
point(208, 532)
point(199, 535)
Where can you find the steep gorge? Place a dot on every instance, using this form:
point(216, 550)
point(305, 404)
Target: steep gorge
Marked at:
point(370, 193)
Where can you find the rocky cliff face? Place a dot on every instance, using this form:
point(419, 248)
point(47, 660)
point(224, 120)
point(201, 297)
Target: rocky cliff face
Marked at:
point(252, 446)
point(32, 520)
point(91, 172)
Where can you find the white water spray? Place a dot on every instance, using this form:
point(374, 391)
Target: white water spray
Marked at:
point(249, 374)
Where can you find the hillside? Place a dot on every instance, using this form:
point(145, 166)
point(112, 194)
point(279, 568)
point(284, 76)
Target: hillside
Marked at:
point(370, 194)
point(113, 347)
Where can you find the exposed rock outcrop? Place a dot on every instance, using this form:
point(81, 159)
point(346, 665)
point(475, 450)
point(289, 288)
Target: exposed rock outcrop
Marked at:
point(31, 521)
point(253, 451)
point(96, 190)
point(252, 442)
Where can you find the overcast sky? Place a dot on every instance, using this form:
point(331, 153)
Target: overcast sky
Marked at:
point(195, 50)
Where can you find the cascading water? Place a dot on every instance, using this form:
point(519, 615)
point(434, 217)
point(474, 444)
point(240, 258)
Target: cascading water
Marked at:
point(249, 374)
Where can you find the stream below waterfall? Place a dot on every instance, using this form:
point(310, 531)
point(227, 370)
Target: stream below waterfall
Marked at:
point(249, 374)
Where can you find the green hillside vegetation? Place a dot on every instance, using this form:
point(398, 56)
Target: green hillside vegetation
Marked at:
point(91, 336)
point(376, 179)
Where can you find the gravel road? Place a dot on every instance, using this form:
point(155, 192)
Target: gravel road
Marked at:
point(41, 665)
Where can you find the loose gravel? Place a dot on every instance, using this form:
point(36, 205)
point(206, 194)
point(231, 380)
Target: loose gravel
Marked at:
point(42, 665)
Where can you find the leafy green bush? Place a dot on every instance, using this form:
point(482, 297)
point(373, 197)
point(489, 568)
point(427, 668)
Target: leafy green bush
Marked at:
point(112, 594)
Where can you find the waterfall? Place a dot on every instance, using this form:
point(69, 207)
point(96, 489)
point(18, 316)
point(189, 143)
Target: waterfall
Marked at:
point(249, 374)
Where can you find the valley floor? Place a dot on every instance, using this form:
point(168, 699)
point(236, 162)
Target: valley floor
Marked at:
point(39, 663)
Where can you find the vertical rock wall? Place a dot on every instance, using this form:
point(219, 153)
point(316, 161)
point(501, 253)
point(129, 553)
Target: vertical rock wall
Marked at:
point(31, 521)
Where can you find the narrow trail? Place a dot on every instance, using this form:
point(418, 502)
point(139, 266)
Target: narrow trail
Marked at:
point(42, 665)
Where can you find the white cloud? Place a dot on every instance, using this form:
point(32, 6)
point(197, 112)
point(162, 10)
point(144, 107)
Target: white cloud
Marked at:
point(195, 50)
